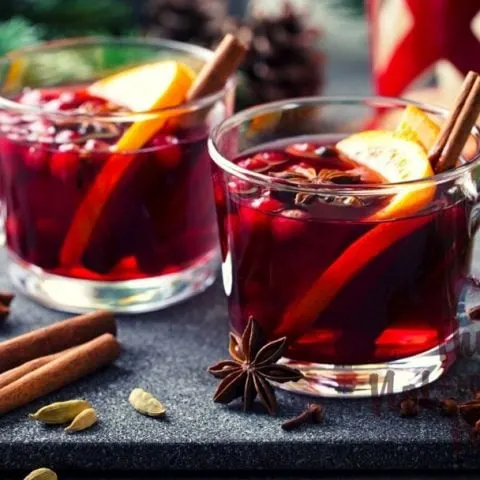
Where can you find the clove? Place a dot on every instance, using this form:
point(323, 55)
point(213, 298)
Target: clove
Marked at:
point(449, 407)
point(408, 408)
point(314, 413)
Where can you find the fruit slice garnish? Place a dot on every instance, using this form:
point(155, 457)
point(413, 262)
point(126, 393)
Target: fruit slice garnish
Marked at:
point(397, 160)
point(156, 86)
point(145, 87)
point(415, 125)
point(398, 156)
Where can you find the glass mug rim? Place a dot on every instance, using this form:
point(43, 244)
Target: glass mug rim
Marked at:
point(364, 189)
point(59, 45)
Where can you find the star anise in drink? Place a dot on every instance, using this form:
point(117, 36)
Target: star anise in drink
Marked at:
point(252, 368)
point(305, 177)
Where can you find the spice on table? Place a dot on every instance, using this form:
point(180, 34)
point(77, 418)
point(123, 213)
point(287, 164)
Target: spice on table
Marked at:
point(252, 368)
point(449, 407)
point(429, 403)
point(476, 427)
point(18, 372)
point(470, 411)
point(66, 369)
point(5, 301)
point(314, 413)
point(42, 474)
point(60, 412)
point(408, 408)
point(54, 338)
point(145, 403)
point(84, 420)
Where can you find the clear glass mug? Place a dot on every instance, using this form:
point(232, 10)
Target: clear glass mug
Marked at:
point(85, 228)
point(367, 306)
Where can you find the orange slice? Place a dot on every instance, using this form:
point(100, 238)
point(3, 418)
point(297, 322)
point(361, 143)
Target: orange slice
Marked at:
point(146, 87)
point(398, 156)
point(149, 87)
point(397, 160)
point(415, 125)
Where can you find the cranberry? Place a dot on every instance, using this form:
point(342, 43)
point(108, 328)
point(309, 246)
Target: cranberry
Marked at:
point(42, 127)
point(65, 162)
point(259, 212)
point(12, 228)
point(65, 101)
point(271, 158)
point(302, 150)
point(66, 136)
point(167, 150)
point(36, 158)
point(254, 164)
point(38, 97)
point(289, 224)
point(241, 187)
point(92, 144)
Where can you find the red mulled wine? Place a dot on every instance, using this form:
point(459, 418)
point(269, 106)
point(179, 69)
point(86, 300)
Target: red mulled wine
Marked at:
point(345, 286)
point(158, 219)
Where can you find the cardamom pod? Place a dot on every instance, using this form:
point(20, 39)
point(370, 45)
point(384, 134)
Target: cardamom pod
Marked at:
point(83, 420)
point(60, 412)
point(42, 474)
point(146, 403)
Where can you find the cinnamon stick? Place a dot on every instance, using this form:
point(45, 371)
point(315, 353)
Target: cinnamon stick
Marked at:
point(54, 338)
point(66, 369)
point(227, 58)
point(18, 372)
point(458, 127)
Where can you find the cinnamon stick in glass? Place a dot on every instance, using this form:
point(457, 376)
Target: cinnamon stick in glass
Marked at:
point(227, 58)
point(54, 338)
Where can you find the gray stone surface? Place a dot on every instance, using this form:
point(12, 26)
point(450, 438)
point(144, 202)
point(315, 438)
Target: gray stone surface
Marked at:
point(167, 353)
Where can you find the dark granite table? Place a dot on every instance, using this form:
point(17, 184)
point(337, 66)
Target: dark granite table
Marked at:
point(167, 353)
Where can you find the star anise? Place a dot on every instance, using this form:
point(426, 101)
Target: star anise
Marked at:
point(252, 368)
point(308, 176)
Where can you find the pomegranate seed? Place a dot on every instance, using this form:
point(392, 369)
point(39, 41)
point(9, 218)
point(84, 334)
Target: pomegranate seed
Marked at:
point(65, 162)
point(36, 158)
point(167, 150)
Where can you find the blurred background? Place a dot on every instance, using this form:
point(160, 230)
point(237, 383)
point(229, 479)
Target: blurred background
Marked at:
point(299, 47)
point(419, 49)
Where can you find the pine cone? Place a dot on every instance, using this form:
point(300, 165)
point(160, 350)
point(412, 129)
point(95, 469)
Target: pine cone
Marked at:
point(192, 21)
point(283, 61)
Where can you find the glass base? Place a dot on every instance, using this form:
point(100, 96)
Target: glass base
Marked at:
point(130, 296)
point(372, 380)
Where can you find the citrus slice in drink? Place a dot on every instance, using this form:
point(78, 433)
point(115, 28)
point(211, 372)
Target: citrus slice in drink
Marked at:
point(415, 125)
point(397, 160)
point(398, 156)
point(148, 87)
